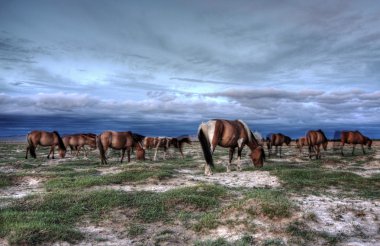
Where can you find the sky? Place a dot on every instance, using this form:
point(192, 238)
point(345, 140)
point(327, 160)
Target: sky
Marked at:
point(292, 63)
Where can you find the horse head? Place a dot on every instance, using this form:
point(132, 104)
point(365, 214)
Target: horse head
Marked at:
point(62, 153)
point(258, 156)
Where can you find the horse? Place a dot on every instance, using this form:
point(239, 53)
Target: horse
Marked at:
point(123, 141)
point(156, 143)
point(277, 139)
point(178, 142)
point(228, 134)
point(354, 138)
point(138, 145)
point(43, 138)
point(314, 140)
point(300, 142)
point(78, 141)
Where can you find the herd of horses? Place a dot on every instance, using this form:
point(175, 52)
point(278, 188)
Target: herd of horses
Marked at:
point(225, 133)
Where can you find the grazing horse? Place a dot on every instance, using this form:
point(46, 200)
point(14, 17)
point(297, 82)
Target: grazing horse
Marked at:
point(44, 138)
point(314, 140)
point(354, 138)
point(156, 143)
point(179, 141)
point(123, 141)
point(277, 139)
point(300, 142)
point(228, 134)
point(78, 141)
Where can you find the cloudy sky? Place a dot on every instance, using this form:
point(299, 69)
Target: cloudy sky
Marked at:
point(267, 62)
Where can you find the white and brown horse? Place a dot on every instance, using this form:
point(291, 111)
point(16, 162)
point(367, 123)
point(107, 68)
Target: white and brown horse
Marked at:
point(314, 140)
point(228, 134)
point(44, 138)
point(354, 138)
point(79, 141)
point(123, 141)
point(156, 143)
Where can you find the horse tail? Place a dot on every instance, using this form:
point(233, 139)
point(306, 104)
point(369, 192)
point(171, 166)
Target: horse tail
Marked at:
point(101, 148)
point(205, 143)
point(32, 148)
point(60, 141)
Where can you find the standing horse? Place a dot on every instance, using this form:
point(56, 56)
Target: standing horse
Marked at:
point(156, 143)
point(178, 143)
point(314, 140)
point(228, 134)
point(78, 141)
point(300, 142)
point(277, 139)
point(44, 138)
point(123, 141)
point(354, 138)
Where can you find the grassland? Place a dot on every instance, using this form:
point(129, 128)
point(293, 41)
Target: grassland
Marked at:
point(290, 201)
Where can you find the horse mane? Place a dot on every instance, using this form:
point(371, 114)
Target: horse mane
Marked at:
point(323, 134)
point(60, 141)
point(247, 130)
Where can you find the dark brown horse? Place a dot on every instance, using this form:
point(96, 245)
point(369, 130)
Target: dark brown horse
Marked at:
point(277, 139)
point(178, 143)
point(354, 138)
point(78, 141)
point(123, 141)
point(314, 140)
point(156, 143)
point(228, 134)
point(44, 138)
point(300, 142)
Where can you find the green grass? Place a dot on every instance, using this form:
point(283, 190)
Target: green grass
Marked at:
point(5, 180)
point(312, 178)
point(271, 203)
point(246, 240)
point(86, 180)
point(53, 217)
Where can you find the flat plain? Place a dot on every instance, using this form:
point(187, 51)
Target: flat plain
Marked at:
point(290, 201)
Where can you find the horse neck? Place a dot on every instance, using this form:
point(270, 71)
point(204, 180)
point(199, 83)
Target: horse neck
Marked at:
point(253, 144)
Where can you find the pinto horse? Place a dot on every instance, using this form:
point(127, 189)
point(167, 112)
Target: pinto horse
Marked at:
point(354, 138)
point(123, 141)
point(156, 143)
point(300, 142)
point(314, 140)
point(277, 139)
point(178, 143)
point(44, 138)
point(228, 134)
point(78, 141)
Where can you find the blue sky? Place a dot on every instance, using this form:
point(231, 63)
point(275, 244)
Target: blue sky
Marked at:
point(267, 62)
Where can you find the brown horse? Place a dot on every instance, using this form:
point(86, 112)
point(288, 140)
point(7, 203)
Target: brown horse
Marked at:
point(178, 143)
point(228, 134)
point(300, 142)
point(78, 141)
point(156, 143)
point(277, 139)
point(314, 140)
point(123, 141)
point(44, 138)
point(354, 138)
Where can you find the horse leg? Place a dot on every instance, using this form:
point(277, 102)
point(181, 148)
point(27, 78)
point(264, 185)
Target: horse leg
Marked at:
point(165, 149)
point(353, 148)
point(318, 152)
point(78, 148)
point(155, 154)
point(129, 154)
point(363, 150)
point(239, 158)
point(310, 148)
point(122, 155)
point(27, 150)
point(230, 154)
point(280, 150)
